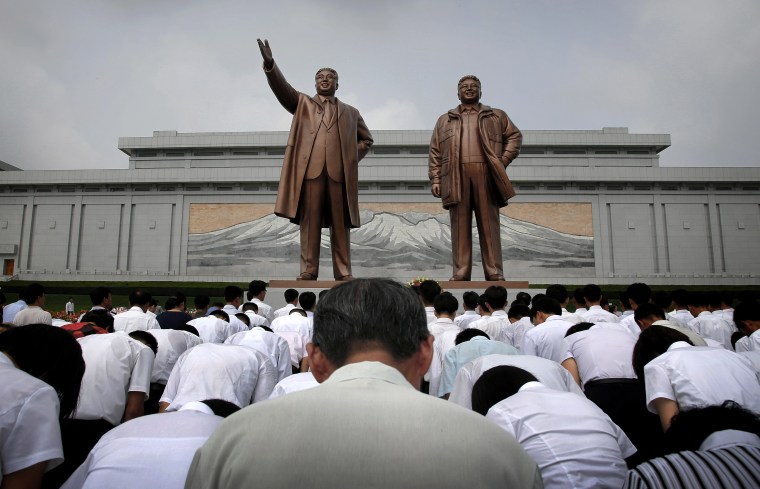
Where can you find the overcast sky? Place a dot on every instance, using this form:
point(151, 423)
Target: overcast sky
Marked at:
point(75, 75)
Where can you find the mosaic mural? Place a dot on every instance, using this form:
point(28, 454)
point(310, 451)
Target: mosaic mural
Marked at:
point(401, 240)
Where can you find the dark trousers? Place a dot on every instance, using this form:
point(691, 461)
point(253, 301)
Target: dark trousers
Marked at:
point(78, 437)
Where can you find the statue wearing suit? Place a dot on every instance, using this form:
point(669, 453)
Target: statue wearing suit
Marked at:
point(471, 147)
point(320, 171)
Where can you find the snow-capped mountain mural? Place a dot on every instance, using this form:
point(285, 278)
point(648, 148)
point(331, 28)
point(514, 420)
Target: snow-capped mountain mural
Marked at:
point(387, 244)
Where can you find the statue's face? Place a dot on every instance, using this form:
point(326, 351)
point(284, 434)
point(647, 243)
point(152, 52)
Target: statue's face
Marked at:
point(469, 91)
point(326, 83)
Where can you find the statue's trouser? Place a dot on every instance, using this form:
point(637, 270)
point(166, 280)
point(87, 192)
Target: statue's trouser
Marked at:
point(477, 197)
point(323, 197)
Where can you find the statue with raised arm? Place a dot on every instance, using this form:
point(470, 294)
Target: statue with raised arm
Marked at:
point(472, 145)
point(320, 171)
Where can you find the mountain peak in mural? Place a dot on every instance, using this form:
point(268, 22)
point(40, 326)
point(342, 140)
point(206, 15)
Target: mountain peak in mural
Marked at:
point(405, 242)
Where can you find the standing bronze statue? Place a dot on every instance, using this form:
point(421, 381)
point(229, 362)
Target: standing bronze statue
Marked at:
point(320, 171)
point(472, 145)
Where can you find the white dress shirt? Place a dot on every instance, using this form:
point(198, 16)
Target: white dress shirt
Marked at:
point(171, 344)
point(283, 311)
point(749, 343)
point(236, 325)
point(699, 376)
point(233, 373)
point(514, 335)
point(466, 318)
point(464, 353)
point(212, 329)
point(709, 325)
point(549, 373)
point(680, 317)
point(33, 315)
point(430, 313)
point(294, 383)
point(628, 320)
point(29, 430)
point(754, 358)
point(293, 322)
point(573, 442)
point(149, 451)
point(597, 314)
point(273, 346)
point(134, 319)
point(601, 353)
point(264, 310)
point(495, 325)
point(574, 318)
point(256, 320)
point(116, 365)
point(445, 331)
point(545, 340)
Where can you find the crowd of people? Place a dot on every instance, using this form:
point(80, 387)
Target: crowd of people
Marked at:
point(376, 383)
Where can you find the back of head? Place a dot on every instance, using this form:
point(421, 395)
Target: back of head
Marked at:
point(537, 298)
point(298, 312)
point(470, 299)
point(497, 384)
point(690, 428)
point(518, 311)
point(221, 315)
point(98, 295)
point(577, 328)
point(662, 298)
point(546, 305)
point(256, 287)
point(680, 298)
point(578, 297)
point(446, 303)
point(32, 292)
point(146, 339)
point(99, 317)
point(50, 354)
point(746, 311)
point(171, 303)
point(639, 292)
point(592, 293)
point(696, 299)
point(523, 297)
point(346, 320)
point(307, 300)
point(139, 298)
point(624, 302)
point(189, 328)
point(232, 292)
point(496, 297)
point(714, 299)
point(429, 290)
point(647, 311)
point(250, 306)
point(290, 295)
point(221, 408)
point(244, 318)
point(201, 301)
point(468, 334)
point(557, 292)
point(653, 342)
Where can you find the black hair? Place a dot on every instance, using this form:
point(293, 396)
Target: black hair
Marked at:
point(470, 299)
point(32, 292)
point(346, 320)
point(220, 407)
point(307, 300)
point(98, 295)
point(713, 299)
point(592, 292)
point(250, 306)
point(446, 303)
point(545, 305)
point(537, 298)
point(497, 384)
point(221, 315)
point(653, 342)
point(322, 293)
point(697, 299)
point(523, 297)
point(496, 297)
point(189, 328)
point(648, 310)
point(468, 334)
point(639, 292)
point(244, 318)
point(298, 310)
point(746, 311)
point(232, 292)
point(680, 297)
point(518, 311)
point(429, 290)
point(578, 297)
point(577, 328)
point(52, 355)
point(145, 338)
point(201, 301)
point(557, 292)
point(139, 298)
point(727, 298)
point(290, 295)
point(256, 287)
point(662, 298)
point(99, 317)
point(736, 336)
point(689, 428)
point(482, 302)
point(624, 302)
point(171, 303)
point(2, 298)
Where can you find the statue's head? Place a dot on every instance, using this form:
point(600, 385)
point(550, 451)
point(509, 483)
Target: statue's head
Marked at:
point(468, 89)
point(326, 81)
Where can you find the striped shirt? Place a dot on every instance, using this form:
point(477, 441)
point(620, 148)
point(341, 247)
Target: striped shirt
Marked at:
point(736, 466)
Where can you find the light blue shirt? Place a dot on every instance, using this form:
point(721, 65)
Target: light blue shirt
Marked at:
point(10, 311)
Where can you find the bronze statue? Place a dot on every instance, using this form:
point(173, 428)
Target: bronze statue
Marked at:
point(472, 145)
point(320, 171)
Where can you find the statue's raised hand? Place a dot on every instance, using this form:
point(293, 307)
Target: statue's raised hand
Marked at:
point(266, 53)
